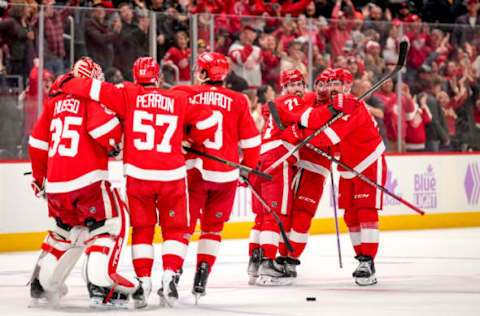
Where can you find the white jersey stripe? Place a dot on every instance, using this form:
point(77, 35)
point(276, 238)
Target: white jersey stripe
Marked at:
point(155, 175)
point(365, 163)
point(330, 133)
point(75, 184)
point(37, 143)
point(305, 116)
point(107, 203)
point(95, 90)
point(250, 142)
point(207, 123)
point(105, 128)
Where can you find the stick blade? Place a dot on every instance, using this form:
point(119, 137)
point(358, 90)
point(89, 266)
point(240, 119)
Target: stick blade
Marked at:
point(402, 53)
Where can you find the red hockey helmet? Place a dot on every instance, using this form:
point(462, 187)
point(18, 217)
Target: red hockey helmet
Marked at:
point(325, 75)
point(215, 64)
point(291, 75)
point(146, 70)
point(343, 75)
point(84, 68)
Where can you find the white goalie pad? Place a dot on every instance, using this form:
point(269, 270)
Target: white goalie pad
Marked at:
point(60, 251)
point(103, 253)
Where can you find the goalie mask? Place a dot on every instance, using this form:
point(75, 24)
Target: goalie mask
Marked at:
point(85, 67)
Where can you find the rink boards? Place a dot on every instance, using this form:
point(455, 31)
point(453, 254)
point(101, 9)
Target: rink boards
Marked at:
point(445, 186)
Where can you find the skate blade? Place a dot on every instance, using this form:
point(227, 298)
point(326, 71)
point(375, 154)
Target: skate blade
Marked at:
point(265, 280)
point(197, 297)
point(366, 281)
point(252, 280)
point(140, 303)
point(167, 302)
point(97, 303)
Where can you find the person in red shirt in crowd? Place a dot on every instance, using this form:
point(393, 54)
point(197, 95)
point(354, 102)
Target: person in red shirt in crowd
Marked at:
point(415, 138)
point(30, 97)
point(212, 185)
point(338, 31)
point(179, 56)
point(154, 124)
point(308, 184)
point(69, 148)
point(420, 45)
point(362, 149)
point(271, 52)
point(390, 100)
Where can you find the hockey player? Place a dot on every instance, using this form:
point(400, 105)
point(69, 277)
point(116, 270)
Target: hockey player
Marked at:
point(69, 152)
point(308, 184)
point(154, 165)
point(361, 148)
point(264, 236)
point(212, 185)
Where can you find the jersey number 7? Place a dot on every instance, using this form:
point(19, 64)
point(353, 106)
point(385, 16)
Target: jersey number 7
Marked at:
point(142, 123)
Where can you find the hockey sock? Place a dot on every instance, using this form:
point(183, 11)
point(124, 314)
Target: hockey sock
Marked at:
point(142, 250)
point(351, 220)
point(254, 240)
point(208, 246)
point(369, 233)
point(301, 221)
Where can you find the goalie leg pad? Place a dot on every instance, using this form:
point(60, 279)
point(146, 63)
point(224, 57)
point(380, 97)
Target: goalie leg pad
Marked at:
point(60, 251)
point(103, 253)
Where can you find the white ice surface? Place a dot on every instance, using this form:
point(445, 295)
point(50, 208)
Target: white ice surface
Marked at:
point(424, 272)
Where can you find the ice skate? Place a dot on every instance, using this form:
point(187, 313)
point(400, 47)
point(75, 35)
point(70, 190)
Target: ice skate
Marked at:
point(140, 296)
point(271, 273)
point(168, 292)
point(290, 265)
point(254, 264)
point(200, 281)
point(365, 273)
point(99, 295)
point(41, 297)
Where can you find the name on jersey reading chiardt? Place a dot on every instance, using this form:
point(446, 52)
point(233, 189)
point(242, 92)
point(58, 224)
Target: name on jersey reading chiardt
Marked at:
point(212, 98)
point(156, 101)
point(67, 105)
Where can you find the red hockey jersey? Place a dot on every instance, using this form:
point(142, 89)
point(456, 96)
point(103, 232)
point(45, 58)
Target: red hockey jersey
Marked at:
point(236, 129)
point(69, 143)
point(357, 136)
point(290, 108)
point(153, 127)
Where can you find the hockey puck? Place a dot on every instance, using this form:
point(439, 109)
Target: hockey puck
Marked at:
point(311, 298)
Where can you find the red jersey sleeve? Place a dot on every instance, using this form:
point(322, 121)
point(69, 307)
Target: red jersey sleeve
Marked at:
point(249, 140)
point(202, 120)
point(112, 96)
point(103, 125)
point(38, 147)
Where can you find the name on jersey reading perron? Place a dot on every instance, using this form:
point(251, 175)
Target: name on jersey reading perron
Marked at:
point(155, 100)
point(67, 105)
point(212, 98)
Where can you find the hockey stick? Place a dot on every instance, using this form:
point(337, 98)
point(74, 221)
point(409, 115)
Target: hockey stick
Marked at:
point(339, 249)
point(229, 163)
point(367, 180)
point(277, 219)
point(402, 54)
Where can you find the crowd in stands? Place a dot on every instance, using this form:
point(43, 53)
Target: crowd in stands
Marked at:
point(438, 91)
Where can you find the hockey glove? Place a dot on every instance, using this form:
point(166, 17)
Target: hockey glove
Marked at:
point(343, 103)
point(39, 190)
point(293, 134)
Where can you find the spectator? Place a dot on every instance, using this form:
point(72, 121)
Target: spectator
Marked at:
point(374, 104)
point(54, 50)
point(448, 108)
point(179, 56)
point(373, 60)
point(100, 37)
point(234, 81)
point(286, 33)
point(420, 46)
point(114, 75)
point(255, 108)
point(246, 57)
point(415, 138)
point(339, 30)
point(467, 25)
point(271, 52)
point(133, 39)
point(390, 100)
point(436, 131)
point(294, 59)
point(376, 20)
point(303, 34)
point(19, 39)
